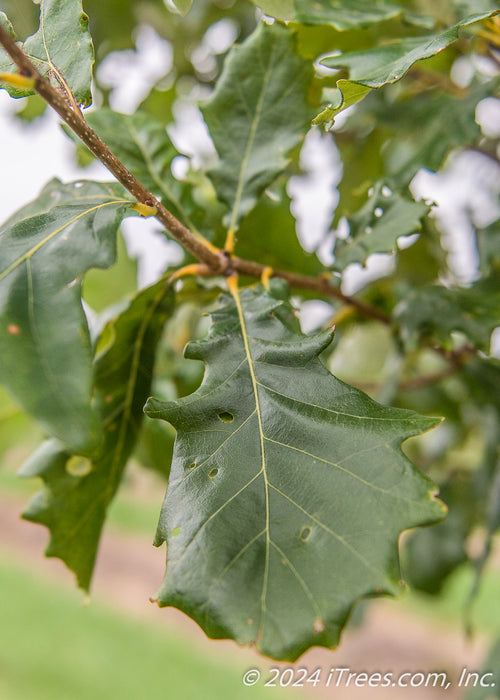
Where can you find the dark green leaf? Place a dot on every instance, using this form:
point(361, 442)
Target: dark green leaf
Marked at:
point(488, 243)
point(156, 446)
point(288, 488)
point(257, 115)
point(387, 63)
point(431, 554)
point(46, 248)
point(268, 234)
point(450, 122)
point(483, 385)
point(61, 49)
point(435, 312)
point(376, 227)
point(78, 491)
point(487, 684)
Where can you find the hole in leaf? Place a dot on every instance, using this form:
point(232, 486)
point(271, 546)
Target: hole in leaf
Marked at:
point(192, 465)
point(213, 472)
point(176, 531)
point(319, 626)
point(305, 533)
point(378, 211)
point(226, 417)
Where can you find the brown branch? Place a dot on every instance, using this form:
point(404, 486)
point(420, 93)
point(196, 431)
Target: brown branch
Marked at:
point(424, 380)
point(220, 262)
point(74, 119)
point(315, 284)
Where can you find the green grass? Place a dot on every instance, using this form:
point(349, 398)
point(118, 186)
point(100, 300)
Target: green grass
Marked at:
point(53, 648)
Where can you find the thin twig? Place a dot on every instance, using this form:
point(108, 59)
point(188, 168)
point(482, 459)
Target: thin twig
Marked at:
point(74, 119)
point(315, 284)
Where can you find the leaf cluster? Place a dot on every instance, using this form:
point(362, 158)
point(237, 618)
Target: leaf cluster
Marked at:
point(287, 485)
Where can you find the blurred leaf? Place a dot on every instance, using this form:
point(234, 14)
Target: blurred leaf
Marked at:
point(77, 492)
point(364, 355)
point(47, 246)
point(483, 381)
point(104, 288)
point(257, 115)
point(268, 234)
point(488, 243)
point(422, 263)
point(376, 227)
point(286, 498)
point(432, 554)
point(34, 108)
point(468, 7)
point(343, 14)
point(488, 685)
point(61, 50)
point(16, 428)
point(156, 446)
point(388, 63)
point(24, 15)
point(449, 123)
point(183, 6)
point(435, 312)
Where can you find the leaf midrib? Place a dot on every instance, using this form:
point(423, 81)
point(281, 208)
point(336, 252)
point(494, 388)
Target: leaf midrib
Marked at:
point(255, 386)
point(107, 493)
point(250, 142)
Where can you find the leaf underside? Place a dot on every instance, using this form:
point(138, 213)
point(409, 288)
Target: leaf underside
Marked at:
point(288, 488)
